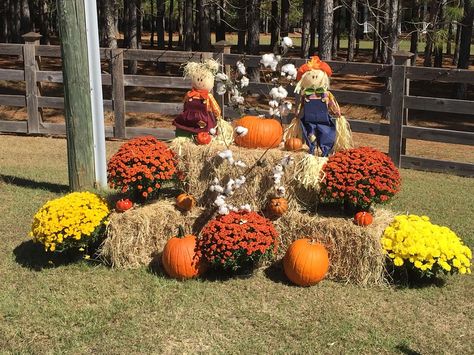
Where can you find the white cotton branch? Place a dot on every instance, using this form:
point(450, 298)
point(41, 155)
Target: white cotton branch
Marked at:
point(287, 160)
point(289, 70)
point(240, 164)
point(278, 169)
point(221, 89)
point(223, 210)
point(212, 131)
point(273, 103)
point(280, 190)
point(246, 208)
point(225, 154)
point(219, 201)
point(270, 61)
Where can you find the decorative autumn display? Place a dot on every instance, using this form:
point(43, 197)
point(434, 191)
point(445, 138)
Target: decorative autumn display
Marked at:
point(123, 204)
point(185, 202)
point(306, 262)
point(359, 177)
point(179, 258)
point(203, 138)
point(363, 218)
point(413, 242)
point(278, 206)
point(141, 166)
point(293, 144)
point(262, 132)
point(237, 241)
point(72, 221)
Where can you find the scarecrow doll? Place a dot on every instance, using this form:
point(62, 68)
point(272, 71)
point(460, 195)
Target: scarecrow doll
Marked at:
point(201, 111)
point(314, 123)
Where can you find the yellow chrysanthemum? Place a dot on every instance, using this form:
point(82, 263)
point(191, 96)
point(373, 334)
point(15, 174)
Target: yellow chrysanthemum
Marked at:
point(72, 217)
point(416, 240)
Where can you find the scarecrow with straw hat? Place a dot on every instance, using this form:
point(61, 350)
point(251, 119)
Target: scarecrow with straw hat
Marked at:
point(314, 123)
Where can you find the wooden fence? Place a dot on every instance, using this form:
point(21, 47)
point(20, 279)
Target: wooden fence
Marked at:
point(399, 102)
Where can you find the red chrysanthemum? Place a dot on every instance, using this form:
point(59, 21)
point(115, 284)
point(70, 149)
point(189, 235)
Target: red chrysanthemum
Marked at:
point(361, 177)
point(237, 240)
point(140, 167)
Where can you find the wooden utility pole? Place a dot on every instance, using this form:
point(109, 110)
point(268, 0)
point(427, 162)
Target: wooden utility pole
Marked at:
point(77, 99)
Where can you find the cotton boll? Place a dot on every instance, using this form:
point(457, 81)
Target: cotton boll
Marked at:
point(212, 131)
point(215, 181)
point(267, 59)
point(274, 93)
point(244, 82)
point(223, 210)
point(230, 160)
point(218, 189)
point(286, 42)
point(246, 208)
point(226, 154)
point(219, 201)
point(280, 190)
point(221, 77)
point(282, 92)
point(240, 164)
point(241, 68)
point(273, 103)
point(278, 169)
point(241, 131)
point(271, 111)
point(221, 89)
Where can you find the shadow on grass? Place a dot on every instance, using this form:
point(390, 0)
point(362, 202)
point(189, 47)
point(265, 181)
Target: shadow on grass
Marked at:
point(276, 274)
point(405, 279)
point(32, 256)
point(405, 349)
point(33, 184)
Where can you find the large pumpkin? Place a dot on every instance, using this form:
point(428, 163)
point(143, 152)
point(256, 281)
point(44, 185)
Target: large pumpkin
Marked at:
point(306, 262)
point(179, 258)
point(262, 132)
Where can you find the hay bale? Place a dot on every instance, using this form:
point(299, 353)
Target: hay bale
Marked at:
point(136, 236)
point(202, 165)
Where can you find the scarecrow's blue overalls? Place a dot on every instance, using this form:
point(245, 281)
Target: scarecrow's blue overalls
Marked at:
point(316, 121)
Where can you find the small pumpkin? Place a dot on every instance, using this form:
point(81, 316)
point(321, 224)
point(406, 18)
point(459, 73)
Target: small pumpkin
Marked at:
point(306, 262)
point(123, 204)
point(293, 144)
point(262, 132)
point(363, 218)
point(278, 206)
point(203, 138)
point(179, 257)
point(185, 202)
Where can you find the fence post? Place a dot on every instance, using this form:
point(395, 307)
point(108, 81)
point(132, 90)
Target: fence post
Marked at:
point(118, 92)
point(30, 67)
point(223, 47)
point(396, 107)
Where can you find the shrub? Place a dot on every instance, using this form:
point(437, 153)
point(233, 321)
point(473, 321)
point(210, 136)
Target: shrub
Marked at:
point(414, 242)
point(72, 221)
point(237, 241)
point(360, 177)
point(141, 166)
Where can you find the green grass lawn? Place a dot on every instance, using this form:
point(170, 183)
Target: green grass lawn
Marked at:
point(88, 308)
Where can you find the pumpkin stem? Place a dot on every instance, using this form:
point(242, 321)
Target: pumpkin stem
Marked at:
point(181, 232)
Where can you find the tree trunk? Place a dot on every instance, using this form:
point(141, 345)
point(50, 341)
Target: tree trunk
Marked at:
point(449, 40)
point(253, 35)
point(325, 37)
point(457, 45)
point(205, 26)
point(139, 9)
point(180, 23)
point(197, 23)
point(285, 18)
point(434, 9)
point(220, 21)
point(4, 23)
point(274, 28)
point(25, 17)
point(465, 44)
point(152, 23)
point(314, 25)
point(386, 30)
point(415, 18)
point(15, 21)
point(306, 30)
point(352, 31)
point(335, 32)
point(160, 24)
point(132, 41)
point(109, 14)
point(377, 34)
point(188, 25)
point(242, 25)
point(170, 24)
point(438, 51)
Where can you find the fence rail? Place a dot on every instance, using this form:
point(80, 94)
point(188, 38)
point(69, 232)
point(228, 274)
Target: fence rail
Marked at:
point(399, 101)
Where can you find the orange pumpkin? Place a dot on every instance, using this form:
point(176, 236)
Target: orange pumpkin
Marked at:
point(363, 218)
point(306, 262)
point(179, 258)
point(293, 144)
point(278, 206)
point(185, 202)
point(262, 132)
